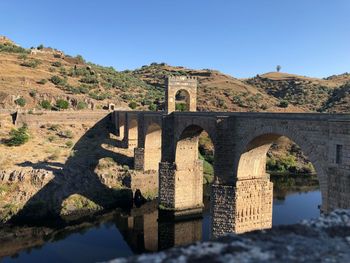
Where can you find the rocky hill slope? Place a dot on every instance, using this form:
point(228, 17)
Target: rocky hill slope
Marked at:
point(36, 77)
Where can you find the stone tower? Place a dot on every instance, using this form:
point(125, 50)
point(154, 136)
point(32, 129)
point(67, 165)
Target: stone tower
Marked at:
point(180, 83)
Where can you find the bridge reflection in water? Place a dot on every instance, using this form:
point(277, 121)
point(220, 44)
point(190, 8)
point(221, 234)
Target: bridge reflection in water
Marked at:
point(147, 229)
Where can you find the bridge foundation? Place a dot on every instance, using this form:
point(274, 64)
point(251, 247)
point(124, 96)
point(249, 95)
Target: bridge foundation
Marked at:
point(181, 191)
point(245, 206)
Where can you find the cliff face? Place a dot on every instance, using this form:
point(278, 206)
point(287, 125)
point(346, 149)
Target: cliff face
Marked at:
point(325, 239)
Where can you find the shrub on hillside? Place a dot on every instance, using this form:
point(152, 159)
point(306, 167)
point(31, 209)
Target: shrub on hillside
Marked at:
point(32, 93)
point(18, 136)
point(152, 107)
point(82, 105)
point(283, 104)
point(58, 80)
point(20, 101)
point(33, 63)
point(90, 79)
point(56, 64)
point(133, 105)
point(62, 104)
point(10, 48)
point(42, 81)
point(45, 104)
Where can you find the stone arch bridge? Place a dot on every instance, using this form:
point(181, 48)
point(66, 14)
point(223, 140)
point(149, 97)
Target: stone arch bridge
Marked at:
point(168, 143)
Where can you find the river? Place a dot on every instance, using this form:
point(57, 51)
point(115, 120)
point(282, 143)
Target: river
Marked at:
point(123, 233)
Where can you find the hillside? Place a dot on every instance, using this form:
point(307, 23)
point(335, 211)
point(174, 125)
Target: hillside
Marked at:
point(309, 94)
point(31, 76)
point(36, 78)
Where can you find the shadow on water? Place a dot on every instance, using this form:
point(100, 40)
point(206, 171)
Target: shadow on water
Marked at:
point(77, 176)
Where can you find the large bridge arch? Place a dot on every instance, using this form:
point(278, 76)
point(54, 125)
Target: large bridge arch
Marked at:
point(181, 171)
point(253, 149)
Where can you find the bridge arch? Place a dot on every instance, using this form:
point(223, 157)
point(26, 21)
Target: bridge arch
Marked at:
point(189, 168)
point(251, 163)
point(182, 97)
point(152, 147)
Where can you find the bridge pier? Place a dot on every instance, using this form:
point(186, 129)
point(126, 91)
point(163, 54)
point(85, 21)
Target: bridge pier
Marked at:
point(241, 207)
point(139, 159)
point(181, 191)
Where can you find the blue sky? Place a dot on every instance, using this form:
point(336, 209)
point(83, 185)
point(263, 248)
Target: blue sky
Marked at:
point(242, 38)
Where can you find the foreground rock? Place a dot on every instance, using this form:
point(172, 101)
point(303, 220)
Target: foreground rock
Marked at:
point(326, 239)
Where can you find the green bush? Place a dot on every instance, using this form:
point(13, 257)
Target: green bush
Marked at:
point(56, 64)
point(33, 63)
point(283, 104)
point(42, 81)
point(82, 105)
point(10, 48)
point(21, 101)
point(63, 71)
point(91, 79)
point(18, 136)
point(133, 105)
point(45, 104)
point(32, 93)
point(69, 144)
point(152, 107)
point(40, 47)
point(181, 107)
point(58, 80)
point(62, 104)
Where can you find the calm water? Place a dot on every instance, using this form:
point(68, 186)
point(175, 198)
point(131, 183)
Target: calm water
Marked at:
point(126, 233)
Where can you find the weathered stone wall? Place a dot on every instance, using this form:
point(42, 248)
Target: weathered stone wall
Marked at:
point(167, 185)
point(60, 117)
point(189, 186)
point(139, 154)
point(338, 173)
point(245, 207)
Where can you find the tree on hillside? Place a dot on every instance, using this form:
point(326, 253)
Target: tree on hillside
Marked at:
point(278, 68)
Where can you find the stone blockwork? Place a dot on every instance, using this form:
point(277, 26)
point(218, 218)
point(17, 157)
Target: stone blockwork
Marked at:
point(189, 187)
point(241, 141)
point(167, 185)
point(247, 206)
point(65, 117)
point(139, 154)
point(175, 84)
